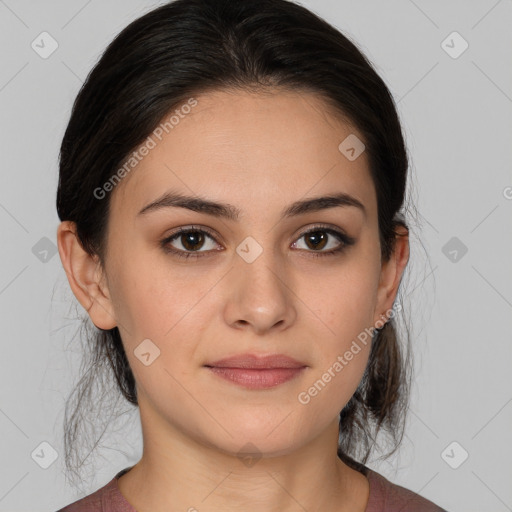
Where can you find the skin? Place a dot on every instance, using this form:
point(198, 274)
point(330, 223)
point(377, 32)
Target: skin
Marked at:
point(259, 153)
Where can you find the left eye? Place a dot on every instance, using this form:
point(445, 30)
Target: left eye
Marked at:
point(193, 239)
point(319, 239)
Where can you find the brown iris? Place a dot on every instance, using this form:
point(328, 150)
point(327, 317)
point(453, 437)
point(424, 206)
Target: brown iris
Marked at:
point(319, 239)
point(193, 240)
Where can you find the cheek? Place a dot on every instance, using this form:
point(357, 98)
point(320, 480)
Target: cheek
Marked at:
point(341, 357)
point(341, 331)
point(153, 297)
point(168, 306)
point(344, 304)
point(169, 311)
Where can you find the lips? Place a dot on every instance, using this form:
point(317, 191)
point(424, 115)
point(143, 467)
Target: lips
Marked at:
point(257, 372)
point(257, 362)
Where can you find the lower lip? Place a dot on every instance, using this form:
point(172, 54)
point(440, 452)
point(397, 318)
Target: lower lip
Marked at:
point(257, 378)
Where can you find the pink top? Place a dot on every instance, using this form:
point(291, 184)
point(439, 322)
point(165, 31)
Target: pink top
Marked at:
point(384, 497)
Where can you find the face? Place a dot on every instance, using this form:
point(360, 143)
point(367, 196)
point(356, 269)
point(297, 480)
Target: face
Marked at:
point(258, 282)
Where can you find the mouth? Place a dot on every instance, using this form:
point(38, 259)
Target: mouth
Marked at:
point(255, 372)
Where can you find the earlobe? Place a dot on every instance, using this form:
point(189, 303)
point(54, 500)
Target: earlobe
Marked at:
point(391, 274)
point(85, 276)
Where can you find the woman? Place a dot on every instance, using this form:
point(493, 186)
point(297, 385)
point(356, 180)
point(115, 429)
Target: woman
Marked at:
point(231, 185)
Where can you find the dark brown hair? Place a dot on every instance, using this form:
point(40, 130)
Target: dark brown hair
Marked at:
point(187, 47)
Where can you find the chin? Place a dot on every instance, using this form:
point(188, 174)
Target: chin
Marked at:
point(257, 439)
point(256, 448)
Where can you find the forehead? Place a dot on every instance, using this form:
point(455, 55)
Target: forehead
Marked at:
point(263, 148)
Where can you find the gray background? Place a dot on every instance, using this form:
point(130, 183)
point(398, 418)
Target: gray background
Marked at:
point(456, 114)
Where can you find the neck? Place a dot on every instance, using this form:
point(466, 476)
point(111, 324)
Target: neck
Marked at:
point(179, 472)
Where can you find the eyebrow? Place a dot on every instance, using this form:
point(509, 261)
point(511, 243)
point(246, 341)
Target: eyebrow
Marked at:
point(174, 199)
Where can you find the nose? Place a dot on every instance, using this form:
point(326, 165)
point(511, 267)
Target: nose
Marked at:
point(260, 295)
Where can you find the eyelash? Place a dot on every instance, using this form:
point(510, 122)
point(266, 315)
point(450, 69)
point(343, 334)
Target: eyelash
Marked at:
point(346, 241)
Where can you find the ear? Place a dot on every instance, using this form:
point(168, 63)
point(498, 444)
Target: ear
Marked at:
point(391, 274)
point(85, 276)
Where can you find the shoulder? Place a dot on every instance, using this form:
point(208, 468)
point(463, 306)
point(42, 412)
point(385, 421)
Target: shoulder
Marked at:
point(388, 497)
point(105, 499)
point(93, 502)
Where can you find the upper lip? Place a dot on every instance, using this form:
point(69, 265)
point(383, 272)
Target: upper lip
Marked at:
point(255, 361)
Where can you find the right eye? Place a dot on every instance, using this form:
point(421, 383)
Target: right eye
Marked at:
point(191, 240)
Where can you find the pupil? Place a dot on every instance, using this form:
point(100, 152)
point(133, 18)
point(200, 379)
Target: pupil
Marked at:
point(318, 237)
point(195, 239)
